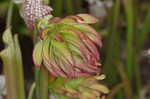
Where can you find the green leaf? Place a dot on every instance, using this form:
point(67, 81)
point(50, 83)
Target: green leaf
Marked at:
point(61, 48)
point(74, 83)
point(37, 53)
point(58, 82)
point(100, 88)
point(46, 45)
point(73, 48)
point(7, 37)
point(70, 36)
point(43, 22)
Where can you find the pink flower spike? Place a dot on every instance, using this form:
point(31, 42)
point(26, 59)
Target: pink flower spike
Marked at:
point(32, 10)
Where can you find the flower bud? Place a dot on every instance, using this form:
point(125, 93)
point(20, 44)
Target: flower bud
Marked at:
point(78, 88)
point(69, 47)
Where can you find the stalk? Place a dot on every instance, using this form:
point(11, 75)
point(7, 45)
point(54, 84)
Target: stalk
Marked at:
point(9, 15)
point(69, 6)
point(58, 7)
point(132, 58)
point(41, 76)
point(41, 79)
point(114, 90)
point(113, 39)
point(31, 91)
point(12, 62)
point(144, 30)
point(113, 51)
point(127, 85)
point(130, 37)
point(19, 70)
point(78, 5)
point(43, 83)
point(142, 36)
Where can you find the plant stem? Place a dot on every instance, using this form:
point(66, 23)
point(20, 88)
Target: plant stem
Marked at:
point(115, 90)
point(142, 36)
point(113, 51)
point(69, 6)
point(41, 79)
point(41, 76)
point(37, 89)
point(78, 6)
point(113, 39)
point(19, 70)
point(145, 29)
point(31, 91)
point(41, 83)
point(58, 7)
point(9, 15)
point(126, 81)
point(130, 36)
point(132, 52)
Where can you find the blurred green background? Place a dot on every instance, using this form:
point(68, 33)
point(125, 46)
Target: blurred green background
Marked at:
point(124, 26)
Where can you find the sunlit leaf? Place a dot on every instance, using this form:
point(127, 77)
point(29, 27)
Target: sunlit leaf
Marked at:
point(78, 88)
point(37, 53)
point(100, 88)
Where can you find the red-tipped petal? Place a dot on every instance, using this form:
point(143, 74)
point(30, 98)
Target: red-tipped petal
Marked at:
point(50, 69)
point(85, 68)
point(86, 18)
point(90, 45)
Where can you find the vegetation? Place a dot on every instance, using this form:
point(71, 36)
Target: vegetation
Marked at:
point(124, 33)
